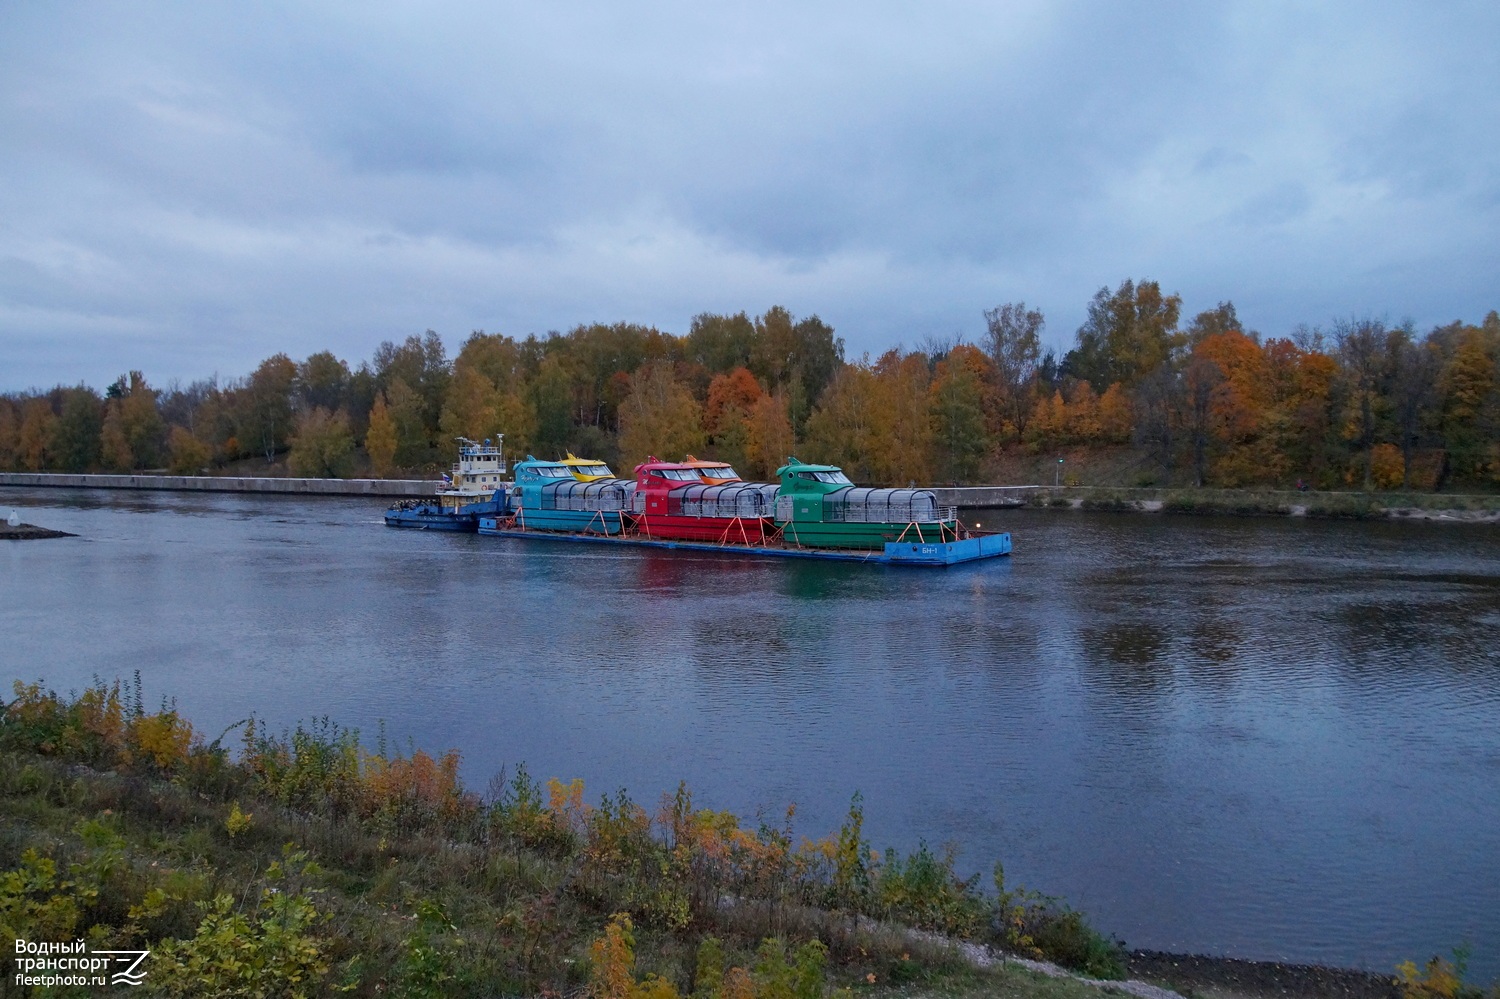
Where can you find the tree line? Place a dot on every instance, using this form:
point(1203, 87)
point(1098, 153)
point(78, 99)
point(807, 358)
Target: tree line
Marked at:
point(1361, 402)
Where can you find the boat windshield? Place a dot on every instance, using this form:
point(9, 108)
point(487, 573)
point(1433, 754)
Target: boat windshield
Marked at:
point(551, 472)
point(720, 472)
point(599, 470)
point(835, 478)
point(680, 474)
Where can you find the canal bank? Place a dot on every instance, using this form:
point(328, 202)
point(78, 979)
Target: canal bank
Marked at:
point(222, 484)
point(1464, 508)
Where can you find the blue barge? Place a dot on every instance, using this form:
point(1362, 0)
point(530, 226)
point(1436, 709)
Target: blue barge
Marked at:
point(919, 553)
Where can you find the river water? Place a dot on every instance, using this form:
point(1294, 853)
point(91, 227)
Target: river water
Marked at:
point(1265, 739)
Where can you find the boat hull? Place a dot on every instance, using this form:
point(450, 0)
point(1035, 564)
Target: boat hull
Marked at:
point(920, 555)
point(437, 517)
point(432, 519)
point(740, 530)
point(581, 521)
point(819, 534)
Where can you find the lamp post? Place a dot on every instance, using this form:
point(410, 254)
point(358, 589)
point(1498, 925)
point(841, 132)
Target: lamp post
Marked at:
point(1057, 474)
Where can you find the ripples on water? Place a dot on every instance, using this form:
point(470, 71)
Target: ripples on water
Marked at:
point(1258, 738)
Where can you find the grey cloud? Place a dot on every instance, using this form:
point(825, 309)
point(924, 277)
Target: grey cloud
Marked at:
point(251, 179)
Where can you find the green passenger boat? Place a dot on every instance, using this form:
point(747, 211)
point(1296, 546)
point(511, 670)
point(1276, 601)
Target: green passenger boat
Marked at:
point(818, 507)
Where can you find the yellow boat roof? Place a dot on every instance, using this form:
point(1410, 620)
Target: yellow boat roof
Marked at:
point(576, 464)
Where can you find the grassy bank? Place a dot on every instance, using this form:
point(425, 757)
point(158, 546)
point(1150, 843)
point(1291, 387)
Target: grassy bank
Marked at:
point(308, 863)
point(1274, 503)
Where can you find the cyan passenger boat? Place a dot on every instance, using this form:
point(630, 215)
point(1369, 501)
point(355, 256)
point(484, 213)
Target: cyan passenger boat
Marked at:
point(475, 486)
point(575, 494)
point(818, 507)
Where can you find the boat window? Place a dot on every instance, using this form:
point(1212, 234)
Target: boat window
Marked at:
point(682, 474)
point(552, 472)
point(837, 478)
point(594, 470)
point(809, 476)
point(723, 472)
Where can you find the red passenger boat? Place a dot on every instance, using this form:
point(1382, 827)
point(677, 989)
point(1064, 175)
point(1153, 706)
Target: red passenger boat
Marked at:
point(673, 500)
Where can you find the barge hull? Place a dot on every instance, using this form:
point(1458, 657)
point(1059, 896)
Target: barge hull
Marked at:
point(926, 555)
point(744, 531)
point(823, 534)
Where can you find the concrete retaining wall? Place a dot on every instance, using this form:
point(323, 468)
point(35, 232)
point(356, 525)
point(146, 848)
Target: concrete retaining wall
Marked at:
point(984, 497)
point(225, 484)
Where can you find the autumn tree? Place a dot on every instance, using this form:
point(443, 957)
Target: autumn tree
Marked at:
point(405, 408)
point(768, 440)
point(1212, 322)
point(1468, 384)
point(470, 408)
point(1362, 350)
point(1301, 419)
point(659, 416)
point(114, 449)
point(34, 438)
point(1202, 378)
point(421, 362)
point(842, 430)
point(1013, 337)
point(75, 444)
point(10, 434)
point(265, 406)
point(140, 423)
point(1046, 428)
point(186, 454)
point(736, 390)
point(551, 402)
point(956, 407)
point(903, 440)
point(800, 356)
point(1238, 401)
point(721, 343)
point(322, 382)
point(1415, 366)
point(1127, 336)
point(321, 446)
point(1116, 415)
point(380, 439)
point(1159, 402)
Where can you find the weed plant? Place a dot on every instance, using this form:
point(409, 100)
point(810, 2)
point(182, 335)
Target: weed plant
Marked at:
point(308, 864)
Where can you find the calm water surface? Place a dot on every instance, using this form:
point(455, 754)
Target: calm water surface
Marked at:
point(1255, 738)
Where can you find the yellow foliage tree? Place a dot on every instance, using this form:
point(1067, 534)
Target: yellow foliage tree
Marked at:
point(769, 439)
point(186, 454)
point(659, 416)
point(1081, 415)
point(380, 439)
point(1116, 417)
point(842, 430)
point(34, 439)
point(470, 409)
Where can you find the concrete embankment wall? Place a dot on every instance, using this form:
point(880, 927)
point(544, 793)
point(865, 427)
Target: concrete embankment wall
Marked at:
point(225, 484)
point(984, 497)
point(981, 497)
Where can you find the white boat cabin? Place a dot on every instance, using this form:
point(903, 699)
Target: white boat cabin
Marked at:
point(479, 471)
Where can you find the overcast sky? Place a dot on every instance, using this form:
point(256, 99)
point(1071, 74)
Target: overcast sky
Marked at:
point(188, 188)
